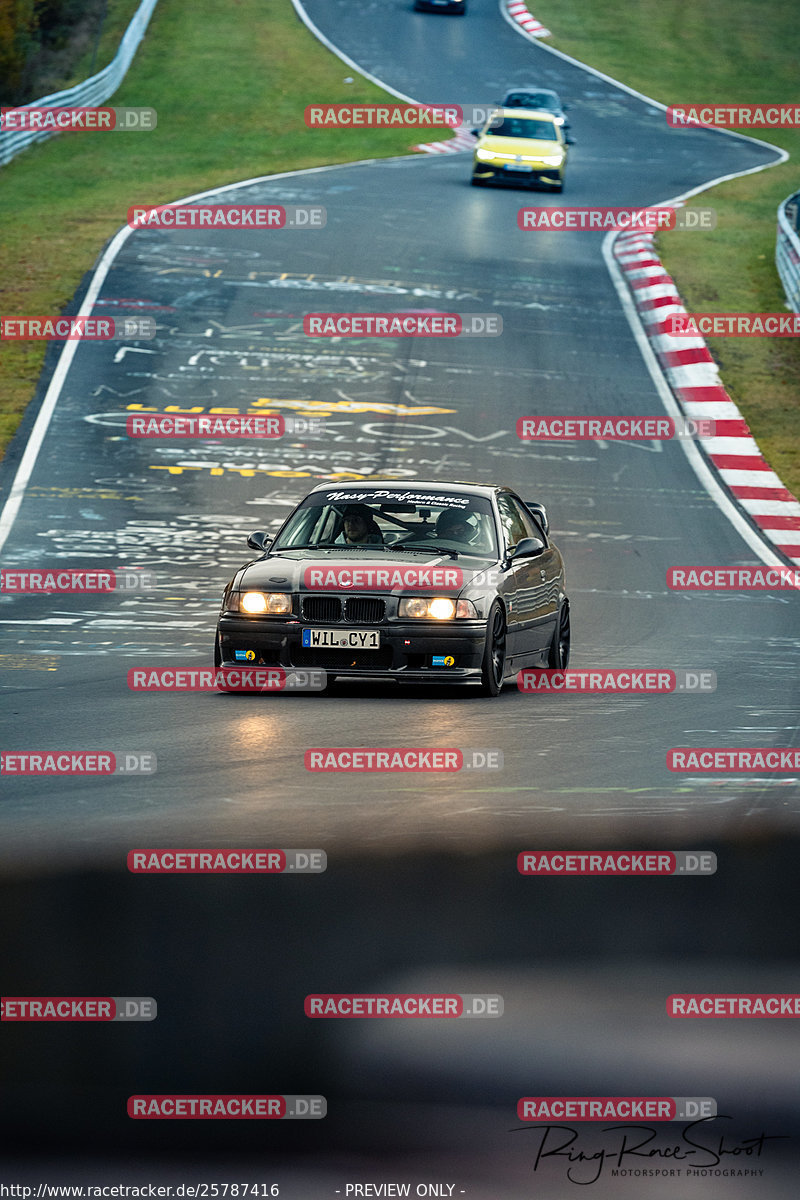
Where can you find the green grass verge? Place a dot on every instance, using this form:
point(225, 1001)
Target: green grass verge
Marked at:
point(737, 51)
point(230, 84)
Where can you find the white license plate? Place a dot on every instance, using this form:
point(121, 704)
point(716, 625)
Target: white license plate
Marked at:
point(343, 639)
point(517, 167)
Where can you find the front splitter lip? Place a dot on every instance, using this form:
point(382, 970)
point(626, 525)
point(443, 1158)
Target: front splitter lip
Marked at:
point(432, 675)
point(538, 174)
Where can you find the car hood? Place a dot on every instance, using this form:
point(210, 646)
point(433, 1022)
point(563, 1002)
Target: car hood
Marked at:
point(363, 571)
point(515, 145)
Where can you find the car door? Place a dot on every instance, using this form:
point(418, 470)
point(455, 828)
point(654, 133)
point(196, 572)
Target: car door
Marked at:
point(533, 585)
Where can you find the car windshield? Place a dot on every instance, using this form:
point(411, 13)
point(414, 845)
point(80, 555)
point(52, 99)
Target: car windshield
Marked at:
point(409, 523)
point(544, 100)
point(525, 127)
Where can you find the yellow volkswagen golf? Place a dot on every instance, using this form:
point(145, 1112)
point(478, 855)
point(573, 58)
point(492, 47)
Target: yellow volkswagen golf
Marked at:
point(521, 146)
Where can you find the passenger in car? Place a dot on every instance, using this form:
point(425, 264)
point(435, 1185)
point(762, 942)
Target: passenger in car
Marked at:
point(455, 526)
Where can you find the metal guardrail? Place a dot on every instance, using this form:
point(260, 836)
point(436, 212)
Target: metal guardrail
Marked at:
point(787, 249)
point(91, 92)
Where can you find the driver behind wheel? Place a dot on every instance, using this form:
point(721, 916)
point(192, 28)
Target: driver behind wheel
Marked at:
point(359, 527)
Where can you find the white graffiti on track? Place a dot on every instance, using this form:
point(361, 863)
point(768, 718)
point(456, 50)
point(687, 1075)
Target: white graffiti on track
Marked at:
point(197, 380)
point(104, 620)
point(266, 404)
point(85, 648)
point(279, 497)
point(599, 536)
point(208, 541)
point(152, 247)
point(284, 281)
point(345, 447)
point(140, 483)
point(253, 360)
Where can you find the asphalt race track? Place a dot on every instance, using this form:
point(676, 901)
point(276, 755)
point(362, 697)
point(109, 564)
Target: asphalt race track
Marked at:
point(402, 234)
point(621, 512)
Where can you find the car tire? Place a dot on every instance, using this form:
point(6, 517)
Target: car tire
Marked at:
point(558, 656)
point(493, 665)
point(476, 182)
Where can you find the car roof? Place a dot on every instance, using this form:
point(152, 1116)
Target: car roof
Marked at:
point(403, 485)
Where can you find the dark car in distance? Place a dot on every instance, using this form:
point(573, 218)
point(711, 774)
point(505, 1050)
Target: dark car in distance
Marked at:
point(453, 6)
point(401, 579)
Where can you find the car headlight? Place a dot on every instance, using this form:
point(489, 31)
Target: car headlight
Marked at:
point(273, 604)
point(485, 155)
point(437, 608)
point(553, 160)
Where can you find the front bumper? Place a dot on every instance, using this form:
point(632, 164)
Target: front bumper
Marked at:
point(407, 649)
point(488, 171)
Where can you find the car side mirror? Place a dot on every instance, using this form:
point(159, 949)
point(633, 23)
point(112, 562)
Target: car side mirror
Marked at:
point(259, 541)
point(527, 547)
point(540, 512)
point(475, 132)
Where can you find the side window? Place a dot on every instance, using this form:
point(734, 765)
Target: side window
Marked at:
point(326, 528)
point(511, 520)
